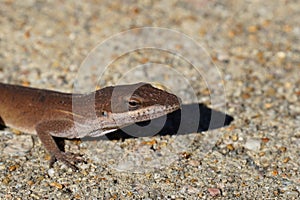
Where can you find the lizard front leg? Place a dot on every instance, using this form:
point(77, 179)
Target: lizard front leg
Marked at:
point(49, 133)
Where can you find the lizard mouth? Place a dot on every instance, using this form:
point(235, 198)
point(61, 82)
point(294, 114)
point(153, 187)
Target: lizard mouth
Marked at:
point(120, 120)
point(141, 115)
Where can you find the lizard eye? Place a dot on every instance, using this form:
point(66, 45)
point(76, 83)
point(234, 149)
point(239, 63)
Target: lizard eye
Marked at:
point(133, 103)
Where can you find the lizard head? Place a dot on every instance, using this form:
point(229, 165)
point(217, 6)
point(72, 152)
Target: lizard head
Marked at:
point(128, 104)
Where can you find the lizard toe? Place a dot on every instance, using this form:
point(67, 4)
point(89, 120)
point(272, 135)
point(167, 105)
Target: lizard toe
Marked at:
point(68, 159)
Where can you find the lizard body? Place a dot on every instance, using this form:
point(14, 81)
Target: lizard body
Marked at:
point(54, 116)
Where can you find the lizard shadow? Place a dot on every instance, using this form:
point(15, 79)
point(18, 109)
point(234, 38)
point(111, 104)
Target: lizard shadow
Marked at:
point(1, 124)
point(189, 119)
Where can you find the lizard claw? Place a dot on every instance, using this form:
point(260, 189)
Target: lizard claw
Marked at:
point(67, 158)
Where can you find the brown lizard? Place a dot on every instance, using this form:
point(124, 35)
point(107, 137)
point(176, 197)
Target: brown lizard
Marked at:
point(55, 116)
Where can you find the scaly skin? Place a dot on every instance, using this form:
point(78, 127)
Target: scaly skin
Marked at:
point(54, 116)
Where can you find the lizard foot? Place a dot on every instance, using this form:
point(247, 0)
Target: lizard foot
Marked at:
point(67, 158)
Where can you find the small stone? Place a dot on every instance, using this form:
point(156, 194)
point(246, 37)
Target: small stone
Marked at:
point(283, 149)
point(281, 55)
point(285, 160)
point(234, 138)
point(35, 196)
point(230, 147)
point(288, 85)
point(265, 140)
point(266, 23)
point(261, 154)
point(192, 190)
point(223, 57)
point(72, 36)
point(260, 56)
point(253, 144)
point(151, 142)
point(57, 185)
point(186, 155)
point(27, 34)
point(268, 105)
point(49, 32)
point(287, 28)
point(2, 167)
point(246, 96)
point(271, 92)
point(30, 182)
point(274, 172)
point(252, 29)
point(13, 167)
point(214, 192)
point(51, 172)
point(6, 180)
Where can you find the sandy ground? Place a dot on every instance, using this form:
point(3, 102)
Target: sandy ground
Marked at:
point(241, 58)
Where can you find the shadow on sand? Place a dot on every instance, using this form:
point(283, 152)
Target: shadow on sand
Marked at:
point(190, 119)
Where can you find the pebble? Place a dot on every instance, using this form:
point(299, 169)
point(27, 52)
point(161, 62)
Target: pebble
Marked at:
point(253, 144)
point(223, 57)
point(51, 172)
point(214, 192)
point(281, 55)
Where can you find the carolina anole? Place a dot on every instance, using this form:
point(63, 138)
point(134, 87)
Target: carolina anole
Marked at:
point(55, 116)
